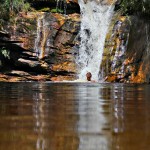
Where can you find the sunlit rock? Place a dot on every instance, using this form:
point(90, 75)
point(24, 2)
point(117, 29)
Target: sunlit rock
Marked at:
point(56, 45)
point(126, 51)
point(62, 78)
point(64, 67)
point(73, 1)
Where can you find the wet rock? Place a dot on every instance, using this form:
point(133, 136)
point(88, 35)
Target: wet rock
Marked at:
point(48, 48)
point(23, 30)
point(39, 78)
point(62, 38)
point(4, 37)
point(126, 50)
point(60, 46)
point(3, 78)
point(17, 73)
point(18, 76)
point(62, 78)
point(68, 67)
point(72, 1)
point(71, 26)
point(32, 65)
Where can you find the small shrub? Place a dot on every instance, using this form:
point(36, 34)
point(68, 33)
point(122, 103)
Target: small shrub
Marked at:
point(5, 53)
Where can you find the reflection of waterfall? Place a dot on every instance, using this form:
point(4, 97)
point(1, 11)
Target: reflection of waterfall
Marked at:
point(93, 125)
point(40, 124)
point(94, 24)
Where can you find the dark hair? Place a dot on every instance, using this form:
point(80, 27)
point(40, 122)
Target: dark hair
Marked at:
point(88, 75)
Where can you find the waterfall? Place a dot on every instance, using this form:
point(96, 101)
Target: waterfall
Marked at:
point(38, 38)
point(42, 34)
point(95, 19)
point(44, 37)
point(61, 5)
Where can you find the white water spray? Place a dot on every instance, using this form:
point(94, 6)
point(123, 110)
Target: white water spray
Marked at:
point(95, 19)
point(37, 45)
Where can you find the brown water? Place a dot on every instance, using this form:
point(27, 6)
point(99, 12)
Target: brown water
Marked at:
point(74, 116)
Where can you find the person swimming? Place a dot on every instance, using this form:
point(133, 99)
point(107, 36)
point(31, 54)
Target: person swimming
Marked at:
point(88, 76)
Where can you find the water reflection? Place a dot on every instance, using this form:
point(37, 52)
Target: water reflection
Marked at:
point(74, 116)
point(94, 124)
point(55, 117)
point(131, 121)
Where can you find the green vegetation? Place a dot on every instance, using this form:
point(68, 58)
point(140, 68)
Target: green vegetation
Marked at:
point(9, 9)
point(46, 9)
point(4, 52)
point(57, 11)
point(15, 6)
point(135, 6)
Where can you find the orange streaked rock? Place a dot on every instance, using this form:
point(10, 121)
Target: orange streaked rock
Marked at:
point(60, 18)
point(63, 78)
point(66, 66)
point(74, 1)
point(140, 77)
point(111, 78)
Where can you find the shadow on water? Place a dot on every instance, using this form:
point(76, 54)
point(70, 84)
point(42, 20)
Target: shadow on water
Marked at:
point(74, 116)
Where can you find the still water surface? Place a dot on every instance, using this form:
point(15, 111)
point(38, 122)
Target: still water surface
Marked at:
point(74, 116)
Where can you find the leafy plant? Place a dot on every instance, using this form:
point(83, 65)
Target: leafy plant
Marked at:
point(135, 6)
point(5, 53)
point(46, 9)
point(57, 11)
point(10, 8)
point(16, 5)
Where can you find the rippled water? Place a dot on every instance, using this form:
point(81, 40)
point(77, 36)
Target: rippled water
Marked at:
point(74, 116)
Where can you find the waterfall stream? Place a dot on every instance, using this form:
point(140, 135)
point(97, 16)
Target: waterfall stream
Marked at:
point(62, 5)
point(41, 41)
point(38, 38)
point(95, 19)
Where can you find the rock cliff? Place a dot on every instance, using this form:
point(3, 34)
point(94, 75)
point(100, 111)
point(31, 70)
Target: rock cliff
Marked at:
point(41, 46)
point(126, 52)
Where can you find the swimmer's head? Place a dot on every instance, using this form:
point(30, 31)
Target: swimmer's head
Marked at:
point(89, 76)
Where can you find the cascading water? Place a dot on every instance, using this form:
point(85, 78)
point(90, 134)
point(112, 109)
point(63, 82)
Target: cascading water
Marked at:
point(121, 47)
point(95, 19)
point(42, 33)
point(62, 5)
point(44, 39)
point(38, 38)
